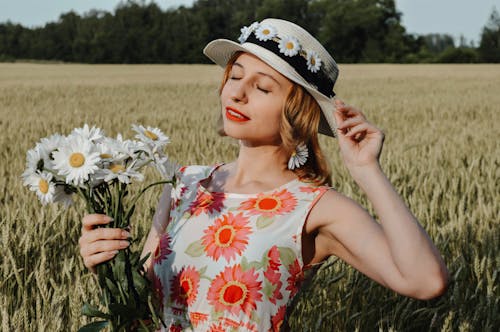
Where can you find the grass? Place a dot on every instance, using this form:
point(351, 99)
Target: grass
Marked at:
point(442, 153)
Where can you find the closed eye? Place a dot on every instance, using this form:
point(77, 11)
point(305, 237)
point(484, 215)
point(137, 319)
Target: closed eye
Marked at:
point(264, 90)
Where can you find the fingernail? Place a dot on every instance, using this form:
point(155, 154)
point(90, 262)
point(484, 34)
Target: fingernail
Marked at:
point(114, 252)
point(110, 219)
point(124, 244)
point(125, 234)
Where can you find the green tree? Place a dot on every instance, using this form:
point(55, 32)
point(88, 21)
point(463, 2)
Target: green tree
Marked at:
point(489, 47)
point(360, 30)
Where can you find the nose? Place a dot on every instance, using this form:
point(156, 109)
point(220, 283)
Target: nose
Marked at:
point(238, 92)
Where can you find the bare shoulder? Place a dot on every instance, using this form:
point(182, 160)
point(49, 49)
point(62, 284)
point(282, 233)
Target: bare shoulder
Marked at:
point(332, 208)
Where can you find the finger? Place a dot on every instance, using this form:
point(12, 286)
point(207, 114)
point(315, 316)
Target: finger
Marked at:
point(91, 261)
point(338, 102)
point(349, 111)
point(364, 126)
point(104, 234)
point(350, 122)
point(91, 220)
point(102, 246)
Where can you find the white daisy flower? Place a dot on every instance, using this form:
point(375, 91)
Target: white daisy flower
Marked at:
point(289, 46)
point(76, 160)
point(246, 31)
point(313, 61)
point(151, 136)
point(165, 167)
point(37, 160)
point(119, 172)
point(52, 143)
point(265, 32)
point(105, 149)
point(254, 26)
point(299, 156)
point(42, 184)
point(93, 134)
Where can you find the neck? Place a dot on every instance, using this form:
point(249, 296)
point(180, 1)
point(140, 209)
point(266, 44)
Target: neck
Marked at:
point(260, 164)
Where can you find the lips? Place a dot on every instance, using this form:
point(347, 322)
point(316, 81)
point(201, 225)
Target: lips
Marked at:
point(235, 115)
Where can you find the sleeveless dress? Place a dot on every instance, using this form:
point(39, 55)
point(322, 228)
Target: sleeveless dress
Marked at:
point(230, 261)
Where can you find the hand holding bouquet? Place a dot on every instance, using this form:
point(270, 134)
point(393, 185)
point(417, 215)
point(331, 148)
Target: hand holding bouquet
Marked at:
point(99, 169)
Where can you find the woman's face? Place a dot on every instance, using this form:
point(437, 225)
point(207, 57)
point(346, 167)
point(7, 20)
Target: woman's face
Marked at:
point(252, 101)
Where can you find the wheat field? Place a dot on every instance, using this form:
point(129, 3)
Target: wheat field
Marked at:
point(442, 153)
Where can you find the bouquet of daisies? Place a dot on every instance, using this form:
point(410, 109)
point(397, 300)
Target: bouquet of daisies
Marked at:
point(100, 169)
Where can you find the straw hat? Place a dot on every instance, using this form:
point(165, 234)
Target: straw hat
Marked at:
point(293, 52)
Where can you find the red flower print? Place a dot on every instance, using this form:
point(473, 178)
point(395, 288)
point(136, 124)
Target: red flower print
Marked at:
point(206, 202)
point(277, 319)
point(217, 327)
point(273, 256)
point(295, 279)
point(158, 290)
point(197, 317)
point(163, 248)
point(269, 205)
point(272, 273)
point(184, 286)
point(227, 237)
point(311, 189)
point(175, 328)
point(228, 322)
point(235, 290)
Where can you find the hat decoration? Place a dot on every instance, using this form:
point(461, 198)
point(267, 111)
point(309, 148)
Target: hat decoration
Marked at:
point(306, 62)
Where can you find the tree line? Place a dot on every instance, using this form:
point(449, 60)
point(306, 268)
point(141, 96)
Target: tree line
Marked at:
point(353, 31)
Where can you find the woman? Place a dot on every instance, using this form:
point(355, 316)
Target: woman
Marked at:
point(231, 241)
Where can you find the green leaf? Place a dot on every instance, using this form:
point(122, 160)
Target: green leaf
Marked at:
point(245, 265)
point(91, 311)
point(119, 309)
point(195, 249)
point(287, 255)
point(202, 270)
point(112, 287)
point(268, 289)
point(263, 222)
point(94, 326)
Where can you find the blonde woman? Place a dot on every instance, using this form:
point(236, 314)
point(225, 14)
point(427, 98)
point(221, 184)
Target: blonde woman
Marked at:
point(232, 240)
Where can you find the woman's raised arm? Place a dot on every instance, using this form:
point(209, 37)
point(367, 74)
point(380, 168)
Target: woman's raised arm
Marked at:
point(396, 251)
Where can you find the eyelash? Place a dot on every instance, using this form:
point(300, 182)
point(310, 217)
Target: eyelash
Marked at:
point(238, 78)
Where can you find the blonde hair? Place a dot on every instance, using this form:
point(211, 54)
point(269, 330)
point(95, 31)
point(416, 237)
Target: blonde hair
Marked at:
point(299, 124)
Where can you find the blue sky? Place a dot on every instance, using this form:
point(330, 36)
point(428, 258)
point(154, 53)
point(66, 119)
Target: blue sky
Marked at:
point(455, 17)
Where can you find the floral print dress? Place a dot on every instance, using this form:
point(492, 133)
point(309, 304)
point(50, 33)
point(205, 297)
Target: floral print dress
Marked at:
point(229, 261)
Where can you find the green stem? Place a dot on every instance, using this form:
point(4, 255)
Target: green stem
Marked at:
point(136, 198)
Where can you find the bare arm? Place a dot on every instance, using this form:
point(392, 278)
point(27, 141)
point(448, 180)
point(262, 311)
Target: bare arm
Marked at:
point(396, 252)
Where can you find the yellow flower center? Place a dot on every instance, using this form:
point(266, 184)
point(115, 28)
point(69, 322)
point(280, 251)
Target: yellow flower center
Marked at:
point(105, 156)
point(266, 32)
point(76, 159)
point(294, 153)
point(289, 45)
point(115, 168)
point(313, 61)
point(151, 135)
point(43, 185)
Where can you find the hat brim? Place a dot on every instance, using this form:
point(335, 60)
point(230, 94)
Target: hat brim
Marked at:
point(221, 50)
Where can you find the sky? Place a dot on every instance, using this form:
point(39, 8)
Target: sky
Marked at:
point(454, 17)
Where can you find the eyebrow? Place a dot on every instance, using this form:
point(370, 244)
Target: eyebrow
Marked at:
point(259, 72)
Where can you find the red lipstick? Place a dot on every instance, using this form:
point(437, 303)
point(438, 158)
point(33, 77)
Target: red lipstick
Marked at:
point(235, 115)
